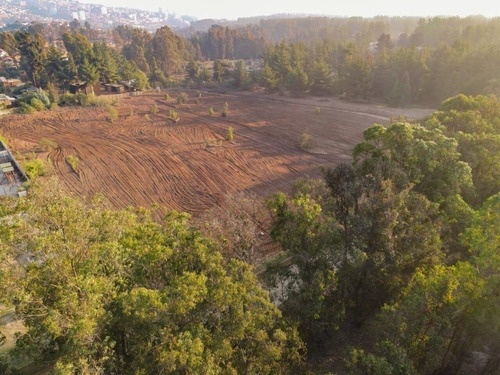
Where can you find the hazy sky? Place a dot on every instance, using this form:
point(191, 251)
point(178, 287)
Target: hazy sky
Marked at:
point(232, 9)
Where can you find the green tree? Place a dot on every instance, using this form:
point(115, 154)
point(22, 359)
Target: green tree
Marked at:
point(31, 48)
point(192, 69)
point(322, 79)
point(412, 154)
point(8, 44)
point(356, 77)
point(268, 78)
point(241, 77)
point(168, 50)
point(89, 74)
point(113, 291)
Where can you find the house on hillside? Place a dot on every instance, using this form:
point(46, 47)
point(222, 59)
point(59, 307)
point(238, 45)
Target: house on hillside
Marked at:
point(114, 88)
point(6, 100)
point(78, 88)
point(7, 83)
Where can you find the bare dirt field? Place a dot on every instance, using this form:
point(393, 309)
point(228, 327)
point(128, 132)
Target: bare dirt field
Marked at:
point(144, 158)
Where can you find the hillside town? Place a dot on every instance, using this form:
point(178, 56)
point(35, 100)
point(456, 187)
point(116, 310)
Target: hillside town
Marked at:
point(44, 11)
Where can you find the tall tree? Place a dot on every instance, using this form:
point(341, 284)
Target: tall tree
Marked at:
point(32, 50)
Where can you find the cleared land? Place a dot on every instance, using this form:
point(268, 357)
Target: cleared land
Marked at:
point(143, 157)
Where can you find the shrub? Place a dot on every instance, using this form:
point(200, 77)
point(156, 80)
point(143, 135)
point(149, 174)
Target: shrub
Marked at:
point(174, 115)
point(211, 111)
point(306, 142)
point(318, 110)
point(181, 99)
point(53, 93)
point(34, 168)
point(113, 113)
point(167, 96)
point(153, 109)
point(46, 144)
point(230, 134)
point(73, 162)
point(37, 104)
point(225, 109)
point(26, 109)
point(198, 93)
point(43, 97)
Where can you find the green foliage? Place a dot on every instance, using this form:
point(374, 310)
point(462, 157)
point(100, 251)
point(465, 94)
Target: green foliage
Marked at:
point(230, 134)
point(129, 295)
point(241, 77)
point(268, 78)
point(211, 111)
point(37, 104)
point(355, 77)
point(174, 115)
point(225, 110)
point(34, 168)
point(413, 154)
point(113, 113)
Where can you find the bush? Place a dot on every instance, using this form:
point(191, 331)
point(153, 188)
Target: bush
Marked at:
point(318, 110)
point(211, 111)
point(37, 104)
point(26, 109)
point(35, 168)
point(46, 144)
point(174, 115)
point(182, 98)
point(113, 113)
point(153, 109)
point(73, 162)
point(225, 109)
point(167, 97)
point(306, 142)
point(53, 93)
point(198, 93)
point(43, 97)
point(230, 134)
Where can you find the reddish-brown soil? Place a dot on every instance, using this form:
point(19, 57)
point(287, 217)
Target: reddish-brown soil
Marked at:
point(144, 158)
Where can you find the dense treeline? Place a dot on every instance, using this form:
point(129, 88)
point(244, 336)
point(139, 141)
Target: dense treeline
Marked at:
point(79, 61)
point(226, 43)
point(397, 60)
point(75, 59)
point(310, 29)
point(404, 243)
point(397, 75)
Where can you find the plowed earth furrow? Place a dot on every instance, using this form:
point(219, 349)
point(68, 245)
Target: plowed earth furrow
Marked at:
point(144, 158)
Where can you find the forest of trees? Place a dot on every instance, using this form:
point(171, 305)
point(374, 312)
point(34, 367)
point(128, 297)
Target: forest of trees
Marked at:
point(398, 60)
point(400, 247)
point(389, 264)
